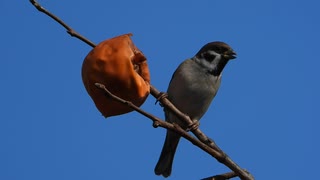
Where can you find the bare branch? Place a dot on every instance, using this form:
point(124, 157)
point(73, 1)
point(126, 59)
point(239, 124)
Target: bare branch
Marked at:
point(167, 104)
point(58, 20)
point(205, 143)
point(222, 157)
point(158, 122)
point(224, 176)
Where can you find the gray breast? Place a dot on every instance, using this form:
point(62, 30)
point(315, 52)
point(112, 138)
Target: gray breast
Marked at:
point(192, 89)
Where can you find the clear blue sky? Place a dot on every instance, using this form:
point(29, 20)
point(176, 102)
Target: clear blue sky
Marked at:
point(265, 116)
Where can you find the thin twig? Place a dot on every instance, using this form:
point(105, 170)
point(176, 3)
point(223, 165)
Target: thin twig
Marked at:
point(58, 20)
point(205, 143)
point(223, 157)
point(176, 128)
point(167, 104)
point(224, 176)
point(158, 122)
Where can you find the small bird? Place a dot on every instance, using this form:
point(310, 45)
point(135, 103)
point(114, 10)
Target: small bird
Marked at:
point(192, 87)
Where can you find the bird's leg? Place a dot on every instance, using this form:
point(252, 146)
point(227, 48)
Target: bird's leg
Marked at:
point(193, 126)
point(161, 96)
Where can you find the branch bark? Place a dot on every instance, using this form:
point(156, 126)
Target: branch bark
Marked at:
point(205, 143)
point(70, 31)
point(220, 156)
point(158, 122)
point(224, 176)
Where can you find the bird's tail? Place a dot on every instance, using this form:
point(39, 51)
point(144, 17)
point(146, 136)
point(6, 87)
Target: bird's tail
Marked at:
point(165, 161)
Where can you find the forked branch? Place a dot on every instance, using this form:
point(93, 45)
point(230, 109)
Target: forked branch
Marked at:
point(158, 122)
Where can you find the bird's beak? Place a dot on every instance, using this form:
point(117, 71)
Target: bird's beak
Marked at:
point(230, 55)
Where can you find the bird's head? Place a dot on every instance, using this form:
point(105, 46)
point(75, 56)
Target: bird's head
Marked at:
point(214, 56)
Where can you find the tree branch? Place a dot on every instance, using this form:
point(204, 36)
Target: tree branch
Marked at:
point(70, 31)
point(224, 176)
point(176, 128)
point(222, 157)
point(158, 122)
point(206, 144)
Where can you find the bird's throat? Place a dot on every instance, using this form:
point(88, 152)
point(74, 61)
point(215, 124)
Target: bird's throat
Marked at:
point(213, 67)
point(216, 71)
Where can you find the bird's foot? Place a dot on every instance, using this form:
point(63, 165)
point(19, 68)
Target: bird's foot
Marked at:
point(193, 126)
point(161, 96)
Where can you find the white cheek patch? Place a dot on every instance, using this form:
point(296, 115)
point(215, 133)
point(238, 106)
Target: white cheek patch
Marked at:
point(217, 56)
point(213, 64)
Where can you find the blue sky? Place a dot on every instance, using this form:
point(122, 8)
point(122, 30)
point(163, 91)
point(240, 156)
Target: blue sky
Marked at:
point(265, 115)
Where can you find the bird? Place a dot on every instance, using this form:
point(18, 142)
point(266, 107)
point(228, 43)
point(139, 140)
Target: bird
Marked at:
point(192, 88)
